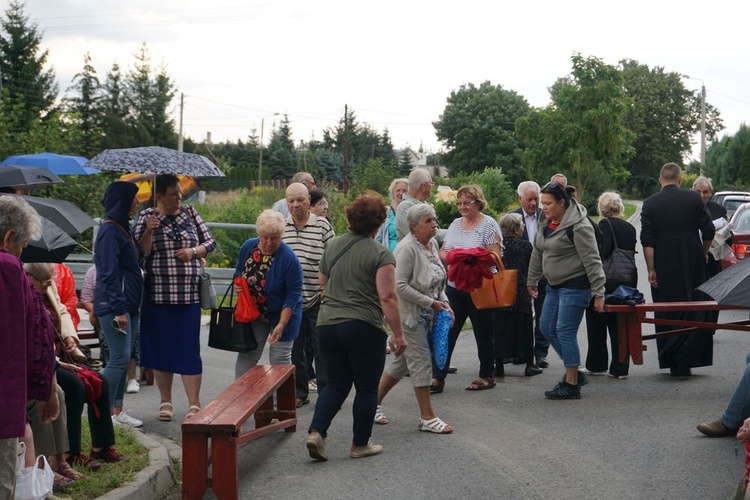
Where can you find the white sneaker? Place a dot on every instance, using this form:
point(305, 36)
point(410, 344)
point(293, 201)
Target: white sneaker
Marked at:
point(125, 419)
point(133, 386)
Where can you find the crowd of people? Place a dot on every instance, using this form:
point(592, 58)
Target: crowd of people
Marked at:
point(335, 305)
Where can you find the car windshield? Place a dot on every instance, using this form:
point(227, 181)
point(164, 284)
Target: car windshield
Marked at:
point(733, 204)
point(742, 221)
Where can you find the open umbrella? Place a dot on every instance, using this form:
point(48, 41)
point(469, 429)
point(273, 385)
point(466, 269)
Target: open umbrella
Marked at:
point(731, 286)
point(57, 164)
point(53, 246)
point(18, 175)
point(188, 185)
point(68, 217)
point(155, 160)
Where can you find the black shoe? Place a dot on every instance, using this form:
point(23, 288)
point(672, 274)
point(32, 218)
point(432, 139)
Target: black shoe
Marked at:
point(532, 370)
point(541, 362)
point(302, 402)
point(564, 390)
point(451, 369)
point(582, 379)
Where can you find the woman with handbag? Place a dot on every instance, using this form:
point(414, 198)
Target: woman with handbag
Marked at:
point(514, 326)
point(420, 284)
point(274, 282)
point(566, 254)
point(173, 239)
point(472, 230)
point(618, 238)
point(360, 288)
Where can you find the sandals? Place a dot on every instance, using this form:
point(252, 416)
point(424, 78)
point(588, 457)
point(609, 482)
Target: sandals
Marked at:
point(435, 425)
point(192, 410)
point(165, 411)
point(481, 384)
point(380, 417)
point(65, 470)
point(61, 483)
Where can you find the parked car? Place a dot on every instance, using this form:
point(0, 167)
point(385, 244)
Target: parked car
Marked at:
point(733, 202)
point(740, 227)
point(719, 197)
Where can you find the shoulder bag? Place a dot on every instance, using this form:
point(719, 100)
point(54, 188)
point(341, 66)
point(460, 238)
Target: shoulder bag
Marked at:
point(619, 267)
point(500, 291)
point(206, 290)
point(225, 332)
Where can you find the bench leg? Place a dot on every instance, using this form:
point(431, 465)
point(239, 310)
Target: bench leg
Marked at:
point(286, 400)
point(194, 465)
point(225, 481)
point(261, 415)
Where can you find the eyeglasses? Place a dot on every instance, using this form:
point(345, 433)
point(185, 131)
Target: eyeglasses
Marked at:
point(321, 203)
point(465, 203)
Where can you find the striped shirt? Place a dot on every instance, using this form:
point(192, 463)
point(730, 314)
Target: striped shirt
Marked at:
point(168, 279)
point(486, 233)
point(308, 244)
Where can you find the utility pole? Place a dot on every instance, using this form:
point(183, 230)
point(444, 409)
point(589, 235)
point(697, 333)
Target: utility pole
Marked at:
point(182, 110)
point(703, 125)
point(260, 153)
point(346, 149)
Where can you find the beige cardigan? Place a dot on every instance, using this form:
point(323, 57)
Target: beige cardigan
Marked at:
point(66, 323)
point(413, 279)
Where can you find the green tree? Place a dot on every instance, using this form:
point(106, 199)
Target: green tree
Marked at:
point(477, 128)
point(330, 164)
point(87, 105)
point(663, 116)
point(359, 140)
point(23, 62)
point(582, 132)
point(375, 175)
point(117, 134)
point(404, 162)
point(724, 159)
point(281, 154)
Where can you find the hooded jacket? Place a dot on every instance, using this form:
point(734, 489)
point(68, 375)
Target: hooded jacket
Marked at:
point(558, 259)
point(119, 282)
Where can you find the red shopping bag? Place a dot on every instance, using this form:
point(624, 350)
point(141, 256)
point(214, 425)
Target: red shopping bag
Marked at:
point(245, 311)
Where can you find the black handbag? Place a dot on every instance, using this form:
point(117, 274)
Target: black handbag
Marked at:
point(619, 267)
point(226, 333)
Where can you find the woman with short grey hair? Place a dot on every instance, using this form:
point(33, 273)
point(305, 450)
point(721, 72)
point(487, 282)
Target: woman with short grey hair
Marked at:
point(386, 235)
point(420, 285)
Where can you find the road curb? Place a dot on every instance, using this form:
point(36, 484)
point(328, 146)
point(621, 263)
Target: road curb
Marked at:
point(156, 478)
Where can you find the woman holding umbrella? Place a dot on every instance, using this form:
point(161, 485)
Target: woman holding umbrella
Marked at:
point(174, 239)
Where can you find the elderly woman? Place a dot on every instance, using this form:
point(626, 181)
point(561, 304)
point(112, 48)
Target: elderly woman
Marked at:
point(318, 203)
point(386, 234)
point(274, 278)
point(99, 417)
point(616, 233)
point(173, 239)
point(420, 284)
point(472, 230)
point(29, 374)
point(514, 329)
point(566, 254)
point(359, 276)
point(118, 289)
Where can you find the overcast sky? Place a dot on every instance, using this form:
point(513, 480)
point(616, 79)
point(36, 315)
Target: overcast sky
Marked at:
point(393, 62)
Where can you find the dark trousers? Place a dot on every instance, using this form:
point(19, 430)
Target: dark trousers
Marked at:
point(597, 325)
point(102, 433)
point(300, 359)
point(481, 322)
point(353, 353)
point(541, 344)
point(514, 337)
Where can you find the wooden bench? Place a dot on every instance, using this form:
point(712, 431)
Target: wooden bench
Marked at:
point(221, 421)
point(631, 318)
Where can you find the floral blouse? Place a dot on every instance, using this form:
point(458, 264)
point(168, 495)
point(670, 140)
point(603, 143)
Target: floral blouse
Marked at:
point(255, 272)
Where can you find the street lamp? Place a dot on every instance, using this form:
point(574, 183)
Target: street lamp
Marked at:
point(260, 148)
point(703, 119)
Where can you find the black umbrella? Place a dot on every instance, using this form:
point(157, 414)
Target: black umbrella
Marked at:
point(19, 175)
point(53, 246)
point(731, 286)
point(155, 160)
point(64, 214)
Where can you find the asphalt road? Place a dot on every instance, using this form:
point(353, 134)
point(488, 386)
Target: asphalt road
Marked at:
point(624, 439)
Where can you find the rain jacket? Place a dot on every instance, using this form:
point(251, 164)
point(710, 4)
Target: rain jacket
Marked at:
point(119, 282)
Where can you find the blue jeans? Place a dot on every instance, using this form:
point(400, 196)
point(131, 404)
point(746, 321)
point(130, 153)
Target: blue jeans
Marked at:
point(561, 316)
point(120, 347)
point(353, 353)
point(738, 408)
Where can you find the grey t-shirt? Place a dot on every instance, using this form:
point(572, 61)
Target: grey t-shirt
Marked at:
point(351, 293)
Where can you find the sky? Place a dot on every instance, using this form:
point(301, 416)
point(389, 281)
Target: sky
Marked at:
point(394, 63)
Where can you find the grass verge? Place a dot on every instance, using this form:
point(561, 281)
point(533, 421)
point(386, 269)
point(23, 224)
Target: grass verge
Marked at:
point(110, 476)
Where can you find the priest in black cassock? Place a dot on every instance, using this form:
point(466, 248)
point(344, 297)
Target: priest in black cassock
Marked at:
point(676, 233)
